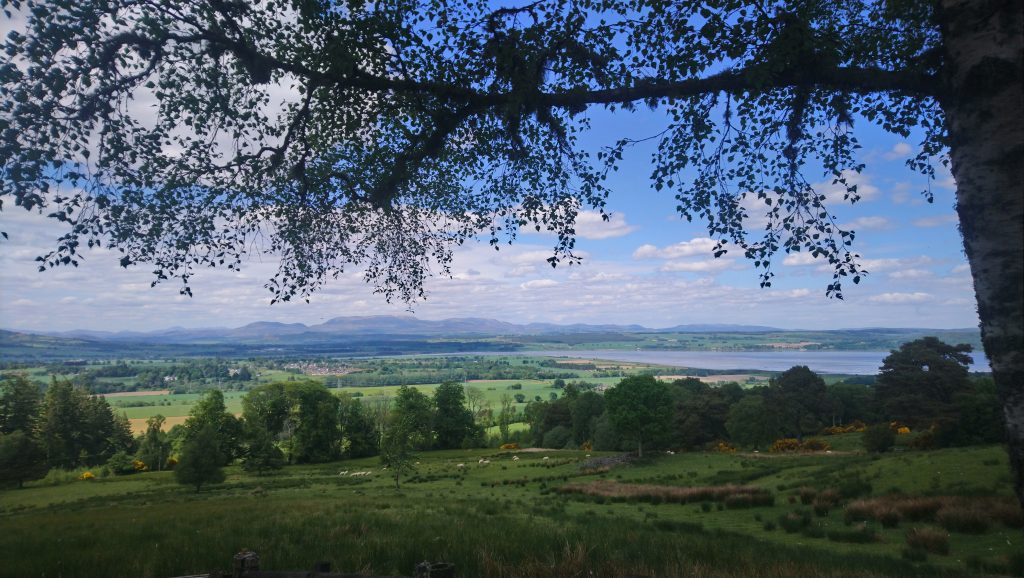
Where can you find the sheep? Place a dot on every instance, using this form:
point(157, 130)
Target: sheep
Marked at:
point(480, 461)
point(343, 473)
point(546, 458)
point(670, 452)
point(484, 462)
point(515, 458)
point(460, 466)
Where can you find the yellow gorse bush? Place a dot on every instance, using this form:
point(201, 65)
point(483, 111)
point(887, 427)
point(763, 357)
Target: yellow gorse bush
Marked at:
point(86, 476)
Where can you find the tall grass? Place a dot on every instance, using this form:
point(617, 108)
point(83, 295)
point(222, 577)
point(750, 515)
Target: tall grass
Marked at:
point(191, 533)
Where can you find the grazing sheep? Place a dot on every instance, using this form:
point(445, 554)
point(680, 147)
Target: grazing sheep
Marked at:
point(588, 455)
point(480, 461)
point(670, 452)
point(546, 458)
point(460, 466)
point(343, 473)
point(484, 462)
point(515, 458)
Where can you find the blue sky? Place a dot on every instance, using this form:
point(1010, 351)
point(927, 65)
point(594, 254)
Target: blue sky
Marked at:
point(645, 266)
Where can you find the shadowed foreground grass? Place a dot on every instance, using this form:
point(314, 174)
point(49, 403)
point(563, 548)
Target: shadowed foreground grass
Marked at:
point(502, 520)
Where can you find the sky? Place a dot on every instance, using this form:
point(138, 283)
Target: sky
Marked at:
point(645, 266)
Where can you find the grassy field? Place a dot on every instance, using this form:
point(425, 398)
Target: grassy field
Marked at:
point(513, 518)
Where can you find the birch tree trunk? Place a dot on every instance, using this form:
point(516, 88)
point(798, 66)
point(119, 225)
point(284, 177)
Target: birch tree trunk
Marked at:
point(984, 42)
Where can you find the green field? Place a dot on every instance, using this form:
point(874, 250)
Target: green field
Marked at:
point(503, 519)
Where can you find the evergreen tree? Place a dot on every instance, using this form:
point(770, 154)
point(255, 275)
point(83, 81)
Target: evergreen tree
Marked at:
point(62, 427)
point(21, 458)
point(19, 404)
point(201, 459)
point(918, 383)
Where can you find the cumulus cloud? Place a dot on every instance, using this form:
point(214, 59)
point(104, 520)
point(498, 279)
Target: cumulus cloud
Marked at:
point(936, 221)
point(701, 266)
point(538, 284)
point(699, 246)
point(900, 150)
point(900, 298)
point(906, 274)
point(802, 259)
point(834, 192)
point(869, 223)
point(590, 225)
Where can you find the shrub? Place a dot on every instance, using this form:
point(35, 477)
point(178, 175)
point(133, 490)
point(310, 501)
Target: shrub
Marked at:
point(889, 517)
point(928, 539)
point(859, 534)
point(557, 437)
point(139, 465)
point(807, 495)
point(854, 487)
point(914, 555)
point(511, 446)
point(785, 445)
point(121, 464)
point(925, 441)
point(768, 526)
point(724, 447)
point(878, 438)
point(795, 521)
point(815, 445)
point(964, 520)
point(86, 476)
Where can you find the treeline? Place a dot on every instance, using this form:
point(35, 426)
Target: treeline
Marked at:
point(924, 386)
point(65, 428)
point(418, 371)
point(148, 376)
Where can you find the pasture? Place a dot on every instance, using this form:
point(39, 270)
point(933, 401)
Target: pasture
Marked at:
point(530, 514)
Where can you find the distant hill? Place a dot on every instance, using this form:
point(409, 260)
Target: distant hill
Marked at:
point(393, 334)
point(393, 325)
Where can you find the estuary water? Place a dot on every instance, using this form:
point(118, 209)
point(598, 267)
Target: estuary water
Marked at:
point(848, 362)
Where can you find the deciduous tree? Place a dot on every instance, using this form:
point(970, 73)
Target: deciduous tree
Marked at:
point(201, 459)
point(640, 409)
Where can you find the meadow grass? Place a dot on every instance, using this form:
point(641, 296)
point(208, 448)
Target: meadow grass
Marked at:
point(505, 519)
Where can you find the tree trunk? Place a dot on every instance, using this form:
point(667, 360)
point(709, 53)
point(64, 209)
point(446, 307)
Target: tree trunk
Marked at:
point(984, 107)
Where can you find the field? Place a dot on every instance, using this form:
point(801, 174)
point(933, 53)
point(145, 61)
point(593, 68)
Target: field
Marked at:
point(515, 518)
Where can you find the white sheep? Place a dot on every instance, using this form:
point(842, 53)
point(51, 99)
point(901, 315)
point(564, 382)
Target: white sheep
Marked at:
point(588, 455)
point(546, 458)
point(480, 461)
point(343, 473)
point(515, 458)
point(460, 466)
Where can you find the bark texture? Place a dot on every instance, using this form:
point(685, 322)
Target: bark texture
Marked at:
point(984, 104)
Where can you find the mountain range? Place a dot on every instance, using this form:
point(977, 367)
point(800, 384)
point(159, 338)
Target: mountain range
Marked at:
point(382, 325)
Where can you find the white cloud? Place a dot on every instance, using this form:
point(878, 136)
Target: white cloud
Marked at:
point(702, 266)
point(590, 225)
point(538, 284)
point(900, 298)
point(907, 274)
point(801, 259)
point(936, 221)
point(962, 268)
point(869, 223)
point(900, 150)
point(698, 246)
point(834, 192)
